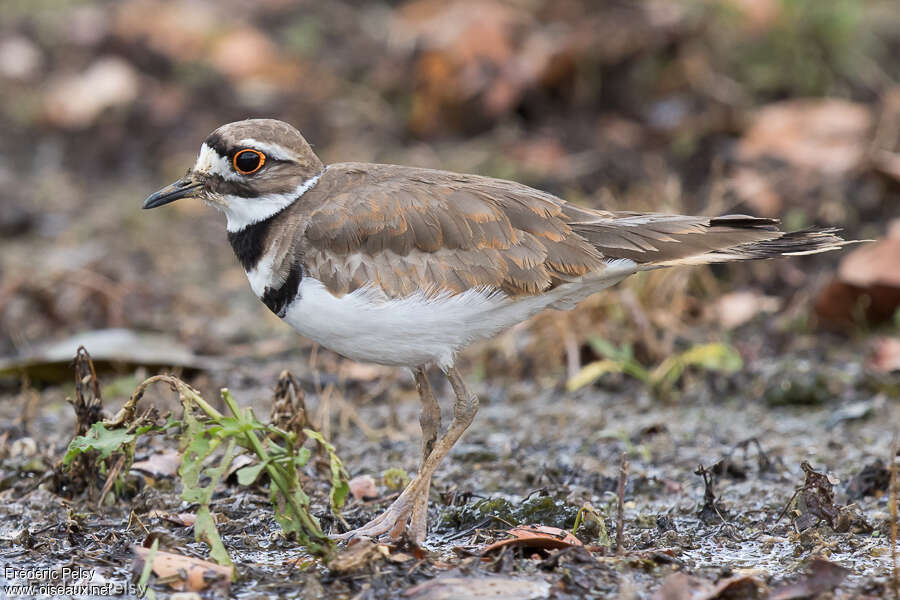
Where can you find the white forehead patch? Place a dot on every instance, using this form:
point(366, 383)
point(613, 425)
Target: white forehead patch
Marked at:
point(275, 151)
point(211, 162)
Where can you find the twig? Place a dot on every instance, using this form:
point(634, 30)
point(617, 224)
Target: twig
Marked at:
point(620, 517)
point(788, 505)
point(895, 583)
point(111, 479)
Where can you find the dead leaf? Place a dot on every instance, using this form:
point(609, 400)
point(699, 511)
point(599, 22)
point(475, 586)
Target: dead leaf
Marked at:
point(75, 101)
point(246, 54)
point(184, 519)
point(822, 576)
point(360, 552)
point(758, 15)
point(887, 163)
point(178, 30)
point(473, 60)
point(867, 286)
point(160, 464)
point(816, 499)
point(480, 588)
point(886, 357)
point(185, 573)
point(681, 586)
point(758, 190)
point(872, 480)
point(108, 347)
point(829, 136)
point(737, 308)
point(363, 371)
point(288, 410)
point(363, 486)
point(872, 264)
point(239, 462)
point(20, 58)
point(536, 537)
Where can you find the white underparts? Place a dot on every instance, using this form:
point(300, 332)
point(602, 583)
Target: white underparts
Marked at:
point(422, 328)
point(241, 212)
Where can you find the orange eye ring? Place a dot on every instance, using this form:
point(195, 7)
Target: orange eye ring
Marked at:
point(248, 161)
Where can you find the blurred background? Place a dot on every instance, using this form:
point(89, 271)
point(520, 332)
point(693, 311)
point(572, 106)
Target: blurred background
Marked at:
point(784, 108)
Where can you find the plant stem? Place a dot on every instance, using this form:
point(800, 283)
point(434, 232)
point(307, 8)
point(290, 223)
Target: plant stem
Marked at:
point(274, 473)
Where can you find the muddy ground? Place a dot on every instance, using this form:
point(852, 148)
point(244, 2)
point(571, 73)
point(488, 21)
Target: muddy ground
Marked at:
point(782, 109)
point(536, 455)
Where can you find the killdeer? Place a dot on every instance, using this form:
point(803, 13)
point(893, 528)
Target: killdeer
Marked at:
point(407, 266)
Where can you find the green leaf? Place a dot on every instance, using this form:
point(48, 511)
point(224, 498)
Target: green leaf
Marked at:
point(205, 527)
point(605, 348)
point(711, 357)
point(205, 531)
point(302, 457)
point(591, 372)
point(143, 583)
point(249, 474)
point(105, 441)
point(714, 357)
point(340, 487)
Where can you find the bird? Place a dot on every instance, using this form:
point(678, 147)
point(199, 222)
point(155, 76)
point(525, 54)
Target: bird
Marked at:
point(407, 266)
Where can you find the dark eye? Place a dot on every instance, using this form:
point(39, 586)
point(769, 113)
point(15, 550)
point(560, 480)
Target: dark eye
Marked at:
point(248, 161)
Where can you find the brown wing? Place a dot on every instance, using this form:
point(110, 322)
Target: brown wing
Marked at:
point(407, 229)
point(664, 238)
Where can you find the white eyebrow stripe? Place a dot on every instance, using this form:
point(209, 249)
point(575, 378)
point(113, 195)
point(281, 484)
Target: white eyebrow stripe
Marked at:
point(212, 163)
point(275, 151)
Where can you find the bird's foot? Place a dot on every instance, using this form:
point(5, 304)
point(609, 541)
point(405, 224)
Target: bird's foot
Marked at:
point(410, 507)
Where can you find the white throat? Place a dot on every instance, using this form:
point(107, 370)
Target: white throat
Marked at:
point(241, 212)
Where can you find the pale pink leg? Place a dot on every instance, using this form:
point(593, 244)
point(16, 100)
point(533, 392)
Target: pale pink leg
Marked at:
point(413, 501)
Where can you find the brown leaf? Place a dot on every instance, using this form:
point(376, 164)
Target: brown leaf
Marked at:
point(75, 101)
point(20, 58)
point(480, 588)
point(289, 406)
point(363, 486)
point(536, 537)
point(872, 264)
point(184, 519)
point(360, 552)
point(867, 285)
point(816, 499)
point(758, 15)
point(246, 54)
point(681, 586)
point(185, 573)
point(822, 576)
point(737, 308)
point(161, 464)
point(828, 136)
point(886, 357)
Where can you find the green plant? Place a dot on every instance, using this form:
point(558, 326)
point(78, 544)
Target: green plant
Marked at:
point(204, 431)
point(662, 378)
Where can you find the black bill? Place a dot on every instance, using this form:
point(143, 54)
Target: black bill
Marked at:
point(180, 189)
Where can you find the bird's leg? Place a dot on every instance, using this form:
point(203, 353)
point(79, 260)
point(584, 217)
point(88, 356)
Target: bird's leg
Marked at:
point(430, 422)
point(394, 519)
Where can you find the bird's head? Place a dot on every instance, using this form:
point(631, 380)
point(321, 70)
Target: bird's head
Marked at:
point(250, 170)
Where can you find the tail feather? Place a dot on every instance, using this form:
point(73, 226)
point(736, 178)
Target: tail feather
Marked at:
point(659, 240)
point(793, 243)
